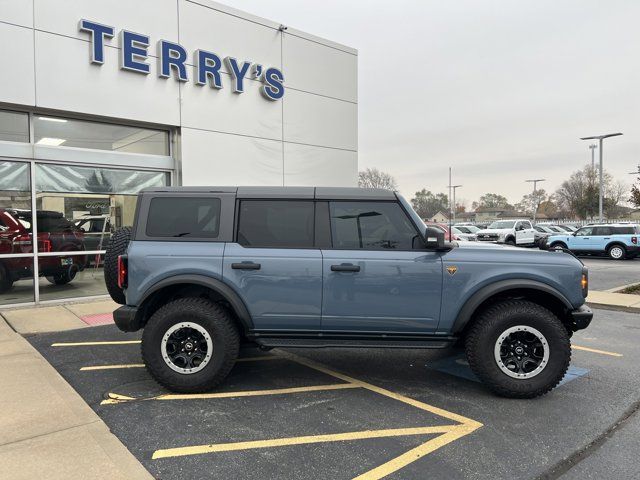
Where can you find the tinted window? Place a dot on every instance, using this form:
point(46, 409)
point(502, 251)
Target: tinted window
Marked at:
point(623, 230)
point(184, 217)
point(370, 226)
point(602, 231)
point(274, 223)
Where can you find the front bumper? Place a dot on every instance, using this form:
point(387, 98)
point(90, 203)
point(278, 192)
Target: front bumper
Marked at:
point(581, 318)
point(127, 319)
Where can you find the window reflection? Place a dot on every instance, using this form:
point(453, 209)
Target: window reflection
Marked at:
point(14, 126)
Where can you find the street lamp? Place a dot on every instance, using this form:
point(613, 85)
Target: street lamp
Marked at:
point(453, 188)
point(535, 205)
point(593, 147)
point(600, 138)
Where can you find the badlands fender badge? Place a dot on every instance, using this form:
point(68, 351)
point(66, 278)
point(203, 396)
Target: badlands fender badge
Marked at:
point(452, 269)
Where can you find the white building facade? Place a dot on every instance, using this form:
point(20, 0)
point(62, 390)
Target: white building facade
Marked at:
point(101, 99)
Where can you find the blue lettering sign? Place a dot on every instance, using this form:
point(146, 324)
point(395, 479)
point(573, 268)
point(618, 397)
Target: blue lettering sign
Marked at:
point(98, 34)
point(172, 55)
point(133, 52)
point(272, 87)
point(237, 72)
point(208, 68)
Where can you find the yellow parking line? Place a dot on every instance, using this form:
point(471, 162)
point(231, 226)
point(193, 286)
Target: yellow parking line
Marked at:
point(112, 367)
point(141, 365)
point(88, 344)
point(115, 398)
point(414, 454)
point(382, 391)
point(281, 442)
point(593, 350)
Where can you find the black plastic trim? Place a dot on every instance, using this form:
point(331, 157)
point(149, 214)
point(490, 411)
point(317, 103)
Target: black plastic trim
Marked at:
point(216, 285)
point(465, 313)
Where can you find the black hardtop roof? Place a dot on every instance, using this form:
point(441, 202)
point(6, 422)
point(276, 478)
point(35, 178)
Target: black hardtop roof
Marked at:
point(320, 193)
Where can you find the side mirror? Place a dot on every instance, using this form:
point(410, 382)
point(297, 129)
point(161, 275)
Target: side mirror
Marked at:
point(434, 239)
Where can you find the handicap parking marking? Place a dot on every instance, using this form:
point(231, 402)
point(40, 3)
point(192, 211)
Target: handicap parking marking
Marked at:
point(447, 433)
point(458, 366)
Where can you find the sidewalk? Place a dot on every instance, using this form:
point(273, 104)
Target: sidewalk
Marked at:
point(614, 301)
point(46, 429)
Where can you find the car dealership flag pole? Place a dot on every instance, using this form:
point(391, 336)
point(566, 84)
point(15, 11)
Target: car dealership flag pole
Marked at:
point(600, 138)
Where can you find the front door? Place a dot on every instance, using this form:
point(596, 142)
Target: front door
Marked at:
point(374, 280)
point(274, 266)
point(582, 239)
point(524, 233)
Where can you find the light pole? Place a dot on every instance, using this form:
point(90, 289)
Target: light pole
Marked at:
point(535, 204)
point(600, 138)
point(453, 187)
point(593, 147)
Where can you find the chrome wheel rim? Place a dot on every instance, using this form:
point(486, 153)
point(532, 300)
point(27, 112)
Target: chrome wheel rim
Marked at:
point(616, 252)
point(521, 352)
point(186, 348)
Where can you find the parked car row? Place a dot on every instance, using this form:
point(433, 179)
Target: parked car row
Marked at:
point(617, 240)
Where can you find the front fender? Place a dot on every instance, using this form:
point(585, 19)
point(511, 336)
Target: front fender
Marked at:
point(482, 294)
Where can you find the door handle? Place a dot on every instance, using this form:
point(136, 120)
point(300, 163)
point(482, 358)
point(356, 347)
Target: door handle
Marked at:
point(246, 266)
point(585, 238)
point(345, 267)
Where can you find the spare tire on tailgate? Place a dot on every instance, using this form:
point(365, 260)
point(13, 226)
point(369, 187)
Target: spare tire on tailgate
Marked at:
point(117, 246)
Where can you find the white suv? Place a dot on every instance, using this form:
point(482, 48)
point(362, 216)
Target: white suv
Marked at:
point(511, 232)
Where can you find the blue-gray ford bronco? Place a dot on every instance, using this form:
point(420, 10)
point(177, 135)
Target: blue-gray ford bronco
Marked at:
point(205, 270)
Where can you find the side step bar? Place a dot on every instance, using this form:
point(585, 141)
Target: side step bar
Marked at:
point(355, 343)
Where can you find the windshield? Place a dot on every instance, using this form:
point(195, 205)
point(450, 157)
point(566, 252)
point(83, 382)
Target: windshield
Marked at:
point(503, 224)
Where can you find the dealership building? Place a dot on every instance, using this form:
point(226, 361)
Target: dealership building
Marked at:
point(99, 100)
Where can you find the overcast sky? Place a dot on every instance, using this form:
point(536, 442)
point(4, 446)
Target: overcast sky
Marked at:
point(500, 90)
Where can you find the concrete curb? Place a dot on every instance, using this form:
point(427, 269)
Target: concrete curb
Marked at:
point(46, 428)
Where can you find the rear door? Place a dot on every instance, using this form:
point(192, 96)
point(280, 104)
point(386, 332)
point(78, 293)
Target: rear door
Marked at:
point(374, 281)
point(273, 264)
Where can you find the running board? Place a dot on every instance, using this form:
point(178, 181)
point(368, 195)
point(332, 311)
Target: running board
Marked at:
point(354, 343)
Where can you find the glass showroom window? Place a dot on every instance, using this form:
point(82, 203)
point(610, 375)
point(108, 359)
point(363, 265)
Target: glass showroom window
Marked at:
point(14, 126)
point(56, 131)
point(78, 210)
point(16, 249)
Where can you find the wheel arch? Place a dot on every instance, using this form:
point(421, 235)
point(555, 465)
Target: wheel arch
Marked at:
point(180, 286)
point(532, 290)
point(615, 242)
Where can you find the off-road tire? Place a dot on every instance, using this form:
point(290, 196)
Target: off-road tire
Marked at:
point(492, 322)
point(557, 245)
point(117, 246)
point(64, 277)
point(612, 252)
point(218, 323)
point(6, 282)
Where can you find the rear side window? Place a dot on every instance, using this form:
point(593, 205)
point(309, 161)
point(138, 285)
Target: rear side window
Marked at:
point(276, 223)
point(624, 230)
point(189, 217)
point(370, 226)
point(600, 231)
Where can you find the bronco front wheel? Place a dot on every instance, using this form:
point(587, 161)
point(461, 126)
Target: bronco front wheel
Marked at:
point(519, 349)
point(190, 345)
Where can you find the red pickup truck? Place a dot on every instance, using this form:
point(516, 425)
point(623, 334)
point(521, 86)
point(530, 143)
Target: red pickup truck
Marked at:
point(55, 234)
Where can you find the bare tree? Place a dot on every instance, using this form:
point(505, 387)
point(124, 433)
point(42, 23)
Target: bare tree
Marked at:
point(374, 178)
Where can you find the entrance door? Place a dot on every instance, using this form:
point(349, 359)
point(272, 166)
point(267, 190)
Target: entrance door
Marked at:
point(373, 278)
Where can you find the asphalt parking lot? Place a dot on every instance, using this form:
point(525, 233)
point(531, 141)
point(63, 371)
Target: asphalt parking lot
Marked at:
point(607, 274)
point(366, 413)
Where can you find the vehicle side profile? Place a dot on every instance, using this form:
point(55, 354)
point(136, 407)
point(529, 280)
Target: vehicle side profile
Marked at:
point(206, 269)
point(55, 234)
point(618, 241)
point(510, 232)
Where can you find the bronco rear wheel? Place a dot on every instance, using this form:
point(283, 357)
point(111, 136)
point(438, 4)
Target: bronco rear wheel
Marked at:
point(519, 349)
point(617, 252)
point(190, 345)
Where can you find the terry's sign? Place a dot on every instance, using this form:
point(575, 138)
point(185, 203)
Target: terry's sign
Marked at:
point(172, 57)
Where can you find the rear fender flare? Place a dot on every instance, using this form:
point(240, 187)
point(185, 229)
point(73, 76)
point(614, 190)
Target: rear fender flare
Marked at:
point(214, 284)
